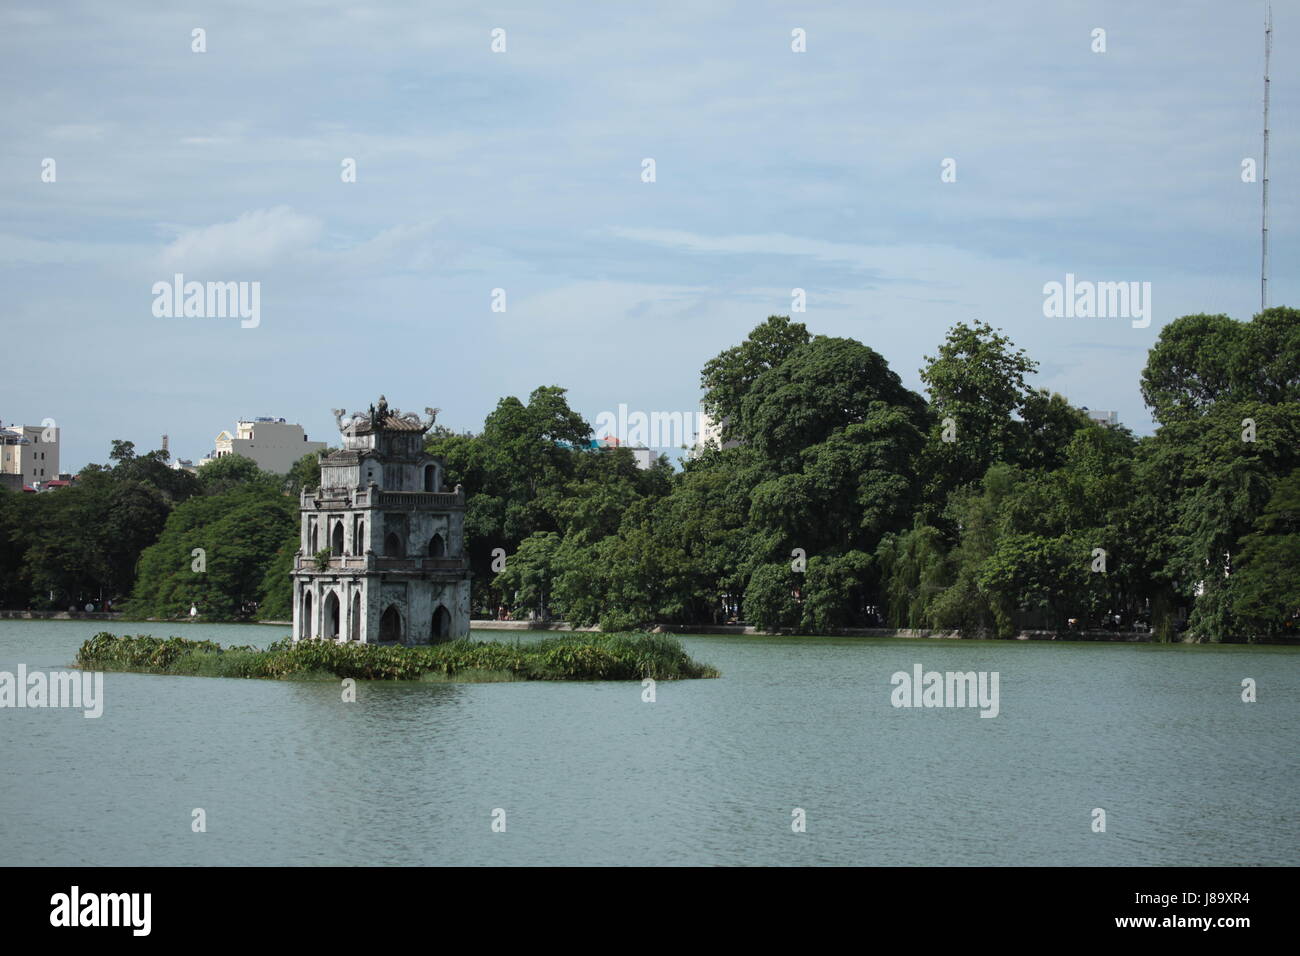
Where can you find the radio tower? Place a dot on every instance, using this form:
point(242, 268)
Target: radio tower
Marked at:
point(1263, 264)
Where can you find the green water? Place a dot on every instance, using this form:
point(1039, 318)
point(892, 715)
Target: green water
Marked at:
point(587, 773)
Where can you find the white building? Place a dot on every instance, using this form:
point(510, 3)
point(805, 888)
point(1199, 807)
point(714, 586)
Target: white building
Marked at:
point(31, 451)
point(1110, 419)
point(643, 456)
point(710, 435)
point(274, 444)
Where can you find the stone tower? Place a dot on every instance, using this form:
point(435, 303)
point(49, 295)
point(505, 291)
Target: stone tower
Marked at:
point(382, 557)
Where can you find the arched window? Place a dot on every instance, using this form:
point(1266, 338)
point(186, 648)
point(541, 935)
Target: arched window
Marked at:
point(393, 546)
point(354, 630)
point(359, 537)
point(336, 541)
point(441, 628)
point(331, 622)
point(315, 545)
point(437, 548)
point(430, 478)
point(308, 627)
point(390, 625)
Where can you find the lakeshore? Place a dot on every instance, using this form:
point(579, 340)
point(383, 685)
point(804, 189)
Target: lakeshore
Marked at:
point(740, 630)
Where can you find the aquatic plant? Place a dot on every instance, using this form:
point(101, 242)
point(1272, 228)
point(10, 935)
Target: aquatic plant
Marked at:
point(589, 656)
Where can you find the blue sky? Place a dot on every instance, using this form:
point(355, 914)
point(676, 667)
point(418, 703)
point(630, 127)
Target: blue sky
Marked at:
point(522, 170)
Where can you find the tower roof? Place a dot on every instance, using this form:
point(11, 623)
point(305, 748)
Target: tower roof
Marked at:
point(392, 424)
point(381, 419)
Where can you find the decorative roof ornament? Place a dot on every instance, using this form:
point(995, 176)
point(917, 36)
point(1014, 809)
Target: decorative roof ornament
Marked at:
point(380, 417)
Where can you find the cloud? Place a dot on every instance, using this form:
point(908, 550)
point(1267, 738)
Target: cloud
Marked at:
point(257, 239)
point(79, 132)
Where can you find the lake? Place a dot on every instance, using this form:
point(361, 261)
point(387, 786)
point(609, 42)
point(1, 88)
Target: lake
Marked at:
point(587, 773)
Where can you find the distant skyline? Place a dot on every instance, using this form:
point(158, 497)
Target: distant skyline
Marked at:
point(522, 170)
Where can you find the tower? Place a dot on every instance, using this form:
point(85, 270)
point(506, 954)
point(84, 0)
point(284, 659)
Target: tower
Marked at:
point(381, 558)
point(1263, 253)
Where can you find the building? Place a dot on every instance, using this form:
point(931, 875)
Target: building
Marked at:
point(273, 443)
point(382, 558)
point(643, 456)
point(1109, 419)
point(710, 435)
point(31, 451)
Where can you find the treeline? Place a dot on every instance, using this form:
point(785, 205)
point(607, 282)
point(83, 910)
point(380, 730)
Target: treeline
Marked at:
point(151, 540)
point(844, 499)
point(851, 500)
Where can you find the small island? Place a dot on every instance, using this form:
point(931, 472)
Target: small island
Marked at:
point(571, 657)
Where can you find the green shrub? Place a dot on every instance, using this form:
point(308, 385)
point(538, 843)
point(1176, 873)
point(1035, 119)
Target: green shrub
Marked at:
point(567, 657)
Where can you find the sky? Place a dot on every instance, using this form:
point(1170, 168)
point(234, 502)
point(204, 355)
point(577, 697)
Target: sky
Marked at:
point(523, 170)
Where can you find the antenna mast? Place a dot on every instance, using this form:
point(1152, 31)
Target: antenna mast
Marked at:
point(1263, 264)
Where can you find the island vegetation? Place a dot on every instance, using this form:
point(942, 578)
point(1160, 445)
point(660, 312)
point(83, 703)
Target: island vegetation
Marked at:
point(841, 499)
point(588, 656)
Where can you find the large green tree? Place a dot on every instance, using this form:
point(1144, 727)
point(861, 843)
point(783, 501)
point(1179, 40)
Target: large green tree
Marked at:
point(1266, 583)
point(728, 376)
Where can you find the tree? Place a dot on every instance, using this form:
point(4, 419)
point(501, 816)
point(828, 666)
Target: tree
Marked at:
point(835, 592)
point(239, 536)
point(820, 389)
point(914, 570)
point(233, 471)
point(1046, 427)
point(305, 473)
point(976, 384)
point(15, 590)
point(728, 376)
point(531, 472)
point(528, 575)
point(1265, 587)
point(1200, 359)
point(1223, 485)
point(1270, 357)
point(1193, 364)
point(769, 599)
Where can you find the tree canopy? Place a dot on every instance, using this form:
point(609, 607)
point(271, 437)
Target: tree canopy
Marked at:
point(989, 505)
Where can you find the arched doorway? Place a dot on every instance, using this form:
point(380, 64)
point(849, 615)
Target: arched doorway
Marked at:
point(437, 548)
point(441, 629)
point(336, 540)
point(354, 628)
point(393, 545)
point(331, 623)
point(390, 625)
point(314, 540)
point(308, 628)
